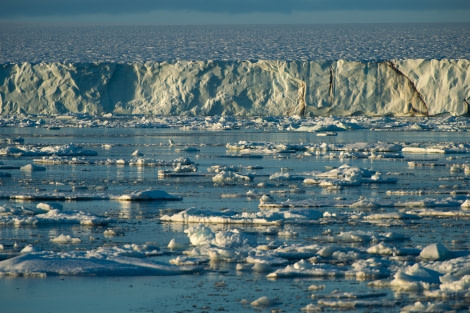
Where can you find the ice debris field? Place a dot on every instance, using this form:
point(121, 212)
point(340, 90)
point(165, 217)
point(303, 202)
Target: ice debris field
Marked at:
point(261, 179)
point(329, 201)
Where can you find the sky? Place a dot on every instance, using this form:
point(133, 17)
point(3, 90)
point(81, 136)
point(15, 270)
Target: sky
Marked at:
point(234, 11)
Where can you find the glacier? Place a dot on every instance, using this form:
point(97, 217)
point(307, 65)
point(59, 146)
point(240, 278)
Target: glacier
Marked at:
point(407, 87)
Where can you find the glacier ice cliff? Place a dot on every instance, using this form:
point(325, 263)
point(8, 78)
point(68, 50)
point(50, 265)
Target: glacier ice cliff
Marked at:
point(244, 88)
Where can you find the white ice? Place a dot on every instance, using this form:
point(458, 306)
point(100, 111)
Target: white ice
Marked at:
point(406, 87)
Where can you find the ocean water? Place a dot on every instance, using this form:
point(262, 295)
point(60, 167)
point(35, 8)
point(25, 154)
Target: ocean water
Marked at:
point(387, 222)
point(208, 214)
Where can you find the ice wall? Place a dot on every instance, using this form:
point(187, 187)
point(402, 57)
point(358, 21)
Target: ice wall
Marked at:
point(398, 87)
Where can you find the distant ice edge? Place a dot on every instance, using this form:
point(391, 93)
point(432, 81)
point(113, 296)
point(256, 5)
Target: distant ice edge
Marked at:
point(243, 88)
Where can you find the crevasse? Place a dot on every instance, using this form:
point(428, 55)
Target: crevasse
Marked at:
point(244, 88)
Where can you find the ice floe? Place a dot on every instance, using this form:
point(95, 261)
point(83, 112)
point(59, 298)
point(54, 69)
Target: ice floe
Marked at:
point(62, 150)
point(87, 264)
point(147, 195)
point(46, 214)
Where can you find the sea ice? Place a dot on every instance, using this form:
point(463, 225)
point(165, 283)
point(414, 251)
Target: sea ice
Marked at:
point(65, 239)
point(78, 263)
point(147, 195)
point(32, 168)
point(436, 251)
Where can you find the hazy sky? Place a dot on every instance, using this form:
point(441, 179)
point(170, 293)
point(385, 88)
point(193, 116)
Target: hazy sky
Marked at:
point(234, 11)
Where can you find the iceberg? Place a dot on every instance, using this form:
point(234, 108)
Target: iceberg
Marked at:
point(409, 87)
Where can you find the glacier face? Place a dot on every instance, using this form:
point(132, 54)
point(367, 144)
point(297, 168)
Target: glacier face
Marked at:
point(245, 88)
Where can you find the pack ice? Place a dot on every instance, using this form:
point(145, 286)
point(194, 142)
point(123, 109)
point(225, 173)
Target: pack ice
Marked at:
point(245, 88)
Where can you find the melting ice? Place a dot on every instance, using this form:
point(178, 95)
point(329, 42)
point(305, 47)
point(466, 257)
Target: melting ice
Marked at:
point(262, 197)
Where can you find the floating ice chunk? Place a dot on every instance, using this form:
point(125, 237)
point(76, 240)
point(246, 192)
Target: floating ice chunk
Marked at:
point(435, 251)
point(327, 133)
point(231, 177)
point(113, 232)
point(222, 255)
point(80, 263)
point(347, 175)
point(200, 235)
point(266, 200)
point(226, 168)
point(264, 302)
point(178, 244)
point(12, 151)
point(28, 249)
point(430, 203)
point(372, 268)
point(64, 150)
point(194, 215)
point(456, 284)
point(32, 168)
point(390, 216)
point(365, 203)
point(232, 238)
point(419, 307)
point(132, 250)
point(46, 214)
point(284, 177)
point(365, 236)
point(355, 236)
point(328, 125)
point(310, 308)
point(422, 150)
point(180, 168)
point(327, 252)
point(65, 239)
point(18, 221)
point(147, 195)
point(296, 252)
point(345, 304)
point(305, 269)
point(56, 216)
point(415, 278)
point(203, 235)
point(466, 205)
point(189, 261)
point(382, 249)
point(316, 287)
point(67, 150)
point(265, 257)
point(456, 168)
point(137, 153)
point(49, 206)
point(121, 162)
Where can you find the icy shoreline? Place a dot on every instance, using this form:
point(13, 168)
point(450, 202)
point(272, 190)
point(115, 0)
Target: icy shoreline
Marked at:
point(410, 87)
